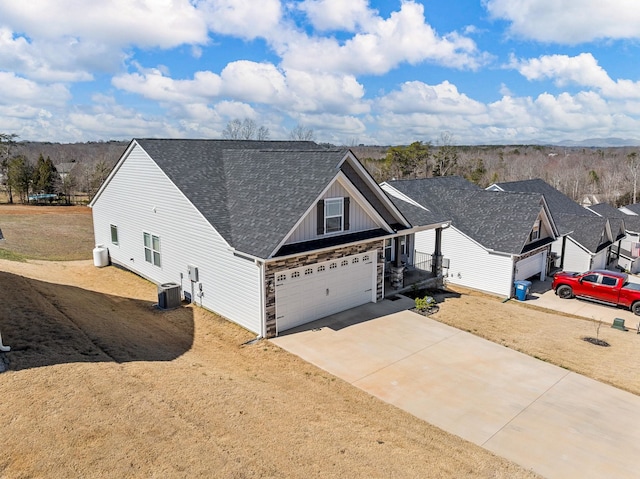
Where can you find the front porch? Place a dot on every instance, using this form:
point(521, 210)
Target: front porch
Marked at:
point(408, 277)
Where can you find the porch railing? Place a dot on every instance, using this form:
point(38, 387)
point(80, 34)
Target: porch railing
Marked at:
point(422, 261)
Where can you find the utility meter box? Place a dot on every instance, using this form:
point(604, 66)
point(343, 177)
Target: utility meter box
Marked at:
point(193, 273)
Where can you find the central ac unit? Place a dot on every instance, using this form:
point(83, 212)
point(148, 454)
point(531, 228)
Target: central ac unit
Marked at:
point(169, 296)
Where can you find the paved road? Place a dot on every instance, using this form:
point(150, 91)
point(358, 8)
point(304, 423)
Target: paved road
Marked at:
point(545, 418)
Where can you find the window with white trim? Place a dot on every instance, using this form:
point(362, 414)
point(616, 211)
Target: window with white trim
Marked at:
point(152, 249)
point(333, 215)
point(114, 234)
point(535, 232)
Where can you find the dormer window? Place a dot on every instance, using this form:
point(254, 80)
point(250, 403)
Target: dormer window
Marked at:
point(333, 215)
point(535, 232)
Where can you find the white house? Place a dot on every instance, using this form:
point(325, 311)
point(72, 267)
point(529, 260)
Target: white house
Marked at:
point(270, 235)
point(494, 239)
point(585, 239)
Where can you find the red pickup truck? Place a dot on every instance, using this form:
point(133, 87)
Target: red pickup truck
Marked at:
point(603, 286)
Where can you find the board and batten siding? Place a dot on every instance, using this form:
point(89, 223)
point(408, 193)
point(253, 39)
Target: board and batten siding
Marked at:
point(470, 265)
point(359, 219)
point(141, 198)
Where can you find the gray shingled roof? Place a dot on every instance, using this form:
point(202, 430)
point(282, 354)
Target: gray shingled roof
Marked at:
point(617, 218)
point(252, 192)
point(498, 221)
point(571, 218)
point(586, 230)
point(558, 202)
point(634, 207)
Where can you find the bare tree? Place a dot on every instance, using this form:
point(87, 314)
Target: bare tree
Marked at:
point(233, 130)
point(301, 133)
point(246, 129)
point(633, 165)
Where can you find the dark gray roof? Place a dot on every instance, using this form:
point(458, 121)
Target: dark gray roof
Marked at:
point(558, 202)
point(606, 210)
point(498, 221)
point(570, 218)
point(586, 230)
point(252, 192)
point(634, 207)
point(617, 218)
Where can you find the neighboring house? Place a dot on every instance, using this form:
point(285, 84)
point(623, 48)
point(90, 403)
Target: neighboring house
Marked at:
point(585, 240)
point(269, 234)
point(64, 169)
point(494, 239)
point(628, 250)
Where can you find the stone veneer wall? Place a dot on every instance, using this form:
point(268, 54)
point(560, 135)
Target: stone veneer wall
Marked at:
point(304, 259)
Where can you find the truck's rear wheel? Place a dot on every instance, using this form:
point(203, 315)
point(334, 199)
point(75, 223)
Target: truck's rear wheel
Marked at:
point(565, 292)
point(635, 307)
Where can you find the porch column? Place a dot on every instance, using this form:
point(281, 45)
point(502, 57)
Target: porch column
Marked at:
point(436, 258)
point(397, 270)
point(397, 261)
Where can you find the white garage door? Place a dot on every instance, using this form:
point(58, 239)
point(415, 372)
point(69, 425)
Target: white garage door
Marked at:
point(318, 290)
point(530, 266)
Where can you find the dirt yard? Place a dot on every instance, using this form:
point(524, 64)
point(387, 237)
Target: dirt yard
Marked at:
point(102, 384)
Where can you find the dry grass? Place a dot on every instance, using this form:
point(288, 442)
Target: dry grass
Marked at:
point(548, 336)
point(46, 232)
point(101, 384)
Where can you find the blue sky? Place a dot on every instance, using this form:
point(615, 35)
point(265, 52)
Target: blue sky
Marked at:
point(357, 71)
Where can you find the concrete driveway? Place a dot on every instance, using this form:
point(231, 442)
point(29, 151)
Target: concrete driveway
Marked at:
point(545, 418)
point(544, 297)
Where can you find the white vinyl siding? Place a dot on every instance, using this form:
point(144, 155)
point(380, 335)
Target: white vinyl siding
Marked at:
point(576, 258)
point(359, 219)
point(470, 265)
point(140, 198)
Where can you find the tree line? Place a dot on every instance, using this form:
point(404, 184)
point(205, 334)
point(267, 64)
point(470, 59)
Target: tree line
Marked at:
point(63, 172)
point(610, 174)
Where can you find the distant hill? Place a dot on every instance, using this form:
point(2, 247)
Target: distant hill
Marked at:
point(600, 143)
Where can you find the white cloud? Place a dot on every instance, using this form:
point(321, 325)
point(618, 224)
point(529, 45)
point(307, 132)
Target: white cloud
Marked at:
point(338, 14)
point(569, 21)
point(386, 43)
point(418, 97)
point(150, 23)
point(17, 90)
point(582, 70)
point(243, 18)
point(154, 85)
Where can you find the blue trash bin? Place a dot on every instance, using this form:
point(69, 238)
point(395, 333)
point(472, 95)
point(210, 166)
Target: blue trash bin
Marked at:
point(522, 289)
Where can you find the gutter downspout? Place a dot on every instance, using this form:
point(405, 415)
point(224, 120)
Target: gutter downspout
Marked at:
point(263, 292)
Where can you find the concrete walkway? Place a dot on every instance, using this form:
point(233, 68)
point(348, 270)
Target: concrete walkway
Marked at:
point(545, 418)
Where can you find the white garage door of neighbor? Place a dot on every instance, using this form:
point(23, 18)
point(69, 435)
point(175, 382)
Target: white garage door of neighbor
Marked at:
point(318, 290)
point(530, 266)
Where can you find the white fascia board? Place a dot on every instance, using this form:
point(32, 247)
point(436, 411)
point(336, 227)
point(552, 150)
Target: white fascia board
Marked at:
point(494, 187)
point(627, 211)
point(393, 191)
point(113, 172)
point(550, 220)
point(375, 188)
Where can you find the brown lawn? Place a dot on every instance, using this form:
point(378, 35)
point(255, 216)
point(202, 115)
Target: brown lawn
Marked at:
point(101, 384)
